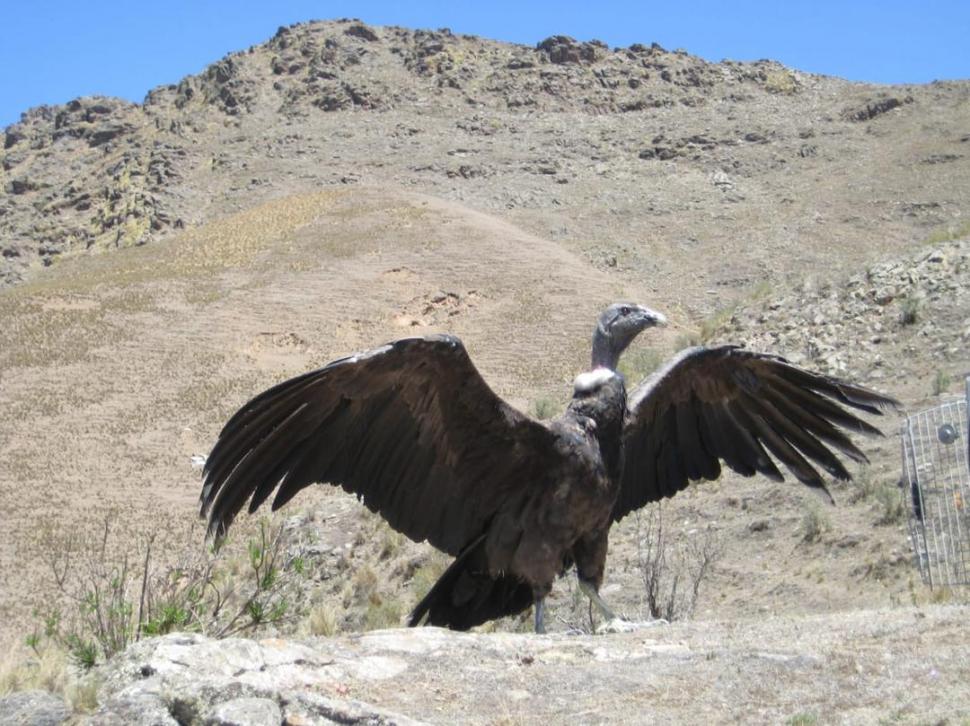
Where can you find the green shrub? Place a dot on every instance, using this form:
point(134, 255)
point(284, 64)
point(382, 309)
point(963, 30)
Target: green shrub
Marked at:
point(638, 363)
point(909, 312)
point(941, 383)
point(114, 603)
point(891, 507)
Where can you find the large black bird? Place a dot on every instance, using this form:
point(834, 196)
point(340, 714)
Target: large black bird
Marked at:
point(414, 431)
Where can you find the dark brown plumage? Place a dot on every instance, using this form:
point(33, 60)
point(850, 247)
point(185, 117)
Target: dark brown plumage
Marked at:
point(413, 430)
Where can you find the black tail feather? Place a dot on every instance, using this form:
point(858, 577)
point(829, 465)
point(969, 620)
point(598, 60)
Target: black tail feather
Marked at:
point(466, 595)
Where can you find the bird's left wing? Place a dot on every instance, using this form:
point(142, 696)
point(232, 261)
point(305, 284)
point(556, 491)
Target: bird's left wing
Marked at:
point(411, 428)
point(709, 405)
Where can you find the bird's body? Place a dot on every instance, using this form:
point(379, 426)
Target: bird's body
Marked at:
point(412, 429)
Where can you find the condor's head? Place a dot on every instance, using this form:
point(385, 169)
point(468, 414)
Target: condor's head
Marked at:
point(616, 328)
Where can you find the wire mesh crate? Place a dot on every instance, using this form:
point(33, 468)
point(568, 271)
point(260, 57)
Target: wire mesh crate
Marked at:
point(936, 486)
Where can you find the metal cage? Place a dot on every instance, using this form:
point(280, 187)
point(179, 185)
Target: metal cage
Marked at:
point(936, 488)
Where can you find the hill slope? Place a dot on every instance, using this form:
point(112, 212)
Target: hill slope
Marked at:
point(635, 158)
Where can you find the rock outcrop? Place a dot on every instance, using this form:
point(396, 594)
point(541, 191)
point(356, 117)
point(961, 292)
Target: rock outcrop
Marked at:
point(898, 313)
point(859, 667)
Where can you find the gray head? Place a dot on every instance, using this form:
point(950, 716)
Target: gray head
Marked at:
point(616, 328)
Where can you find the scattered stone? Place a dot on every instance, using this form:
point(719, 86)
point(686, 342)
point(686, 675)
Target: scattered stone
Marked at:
point(874, 108)
point(359, 30)
point(106, 132)
point(246, 712)
point(561, 49)
point(20, 186)
point(12, 137)
point(915, 296)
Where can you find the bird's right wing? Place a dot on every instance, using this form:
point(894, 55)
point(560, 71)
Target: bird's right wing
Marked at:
point(709, 405)
point(411, 428)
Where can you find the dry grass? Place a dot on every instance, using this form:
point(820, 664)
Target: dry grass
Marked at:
point(48, 668)
point(883, 493)
point(815, 522)
point(235, 241)
point(781, 81)
point(323, 620)
point(384, 612)
point(947, 233)
point(427, 574)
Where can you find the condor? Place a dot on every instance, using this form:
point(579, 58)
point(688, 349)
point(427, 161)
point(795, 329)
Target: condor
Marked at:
point(414, 431)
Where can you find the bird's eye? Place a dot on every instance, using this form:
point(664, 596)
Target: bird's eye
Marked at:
point(624, 310)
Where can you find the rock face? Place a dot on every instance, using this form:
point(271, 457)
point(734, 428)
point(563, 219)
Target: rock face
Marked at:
point(32, 708)
point(855, 667)
point(192, 679)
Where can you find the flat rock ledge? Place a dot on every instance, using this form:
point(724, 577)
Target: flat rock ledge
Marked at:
point(901, 665)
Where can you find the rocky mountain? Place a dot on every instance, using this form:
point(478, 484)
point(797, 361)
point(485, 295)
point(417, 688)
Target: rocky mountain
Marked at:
point(630, 156)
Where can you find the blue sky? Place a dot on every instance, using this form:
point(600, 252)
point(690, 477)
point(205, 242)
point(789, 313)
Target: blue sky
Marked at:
point(53, 51)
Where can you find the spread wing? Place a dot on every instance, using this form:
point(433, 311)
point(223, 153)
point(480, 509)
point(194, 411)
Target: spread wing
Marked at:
point(411, 428)
point(709, 405)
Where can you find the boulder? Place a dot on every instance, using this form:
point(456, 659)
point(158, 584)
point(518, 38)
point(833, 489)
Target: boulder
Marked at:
point(32, 708)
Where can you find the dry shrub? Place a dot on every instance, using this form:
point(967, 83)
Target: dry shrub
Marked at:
point(672, 573)
point(815, 522)
point(323, 620)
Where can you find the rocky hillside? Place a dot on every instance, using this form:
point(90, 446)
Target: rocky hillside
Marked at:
point(632, 156)
point(908, 318)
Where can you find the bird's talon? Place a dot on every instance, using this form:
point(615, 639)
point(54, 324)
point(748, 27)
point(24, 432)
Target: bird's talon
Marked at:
point(619, 625)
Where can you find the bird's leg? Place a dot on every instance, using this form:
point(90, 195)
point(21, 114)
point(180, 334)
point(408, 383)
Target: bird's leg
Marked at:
point(589, 589)
point(589, 553)
point(539, 593)
point(540, 607)
point(590, 556)
point(613, 623)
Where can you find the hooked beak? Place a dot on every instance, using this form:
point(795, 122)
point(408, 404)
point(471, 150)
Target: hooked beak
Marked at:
point(651, 318)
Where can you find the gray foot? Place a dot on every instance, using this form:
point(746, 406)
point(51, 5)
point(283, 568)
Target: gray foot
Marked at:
point(618, 625)
point(594, 597)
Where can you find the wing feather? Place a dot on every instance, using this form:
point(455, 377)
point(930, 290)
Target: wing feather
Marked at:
point(411, 428)
point(709, 405)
